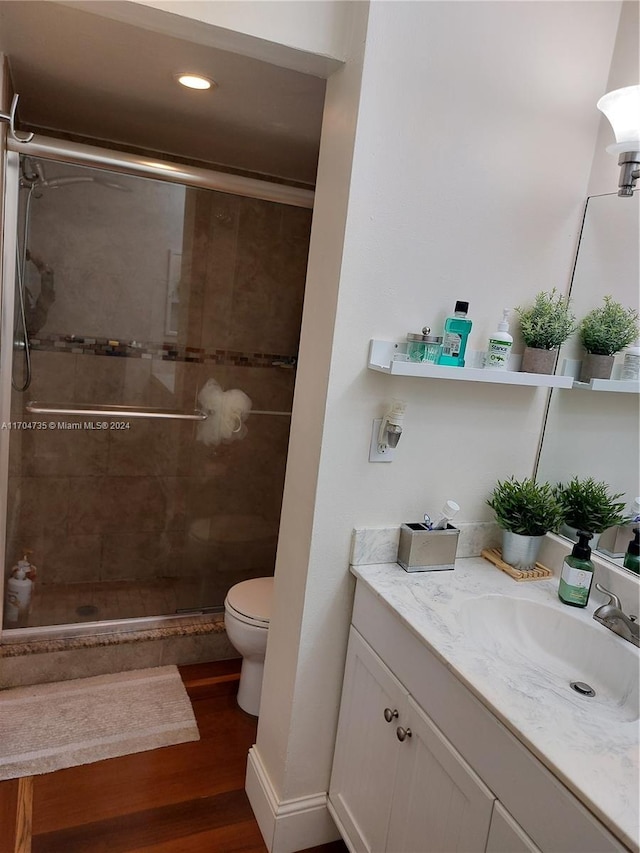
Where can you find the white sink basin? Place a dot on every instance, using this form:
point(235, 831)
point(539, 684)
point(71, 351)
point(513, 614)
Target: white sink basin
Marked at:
point(566, 646)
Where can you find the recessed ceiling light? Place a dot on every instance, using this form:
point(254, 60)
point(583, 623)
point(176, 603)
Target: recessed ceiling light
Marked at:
point(195, 81)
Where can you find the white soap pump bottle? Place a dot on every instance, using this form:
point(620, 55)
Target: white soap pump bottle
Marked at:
point(19, 588)
point(499, 346)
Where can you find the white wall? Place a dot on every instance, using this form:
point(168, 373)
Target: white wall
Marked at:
point(316, 26)
point(310, 36)
point(295, 581)
point(475, 136)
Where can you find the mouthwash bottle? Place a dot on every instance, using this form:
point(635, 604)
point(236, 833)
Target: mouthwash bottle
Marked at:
point(456, 334)
point(577, 573)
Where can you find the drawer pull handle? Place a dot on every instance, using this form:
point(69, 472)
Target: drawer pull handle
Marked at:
point(389, 714)
point(402, 734)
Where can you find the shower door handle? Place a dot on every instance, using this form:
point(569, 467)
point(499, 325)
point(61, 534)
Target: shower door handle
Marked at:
point(35, 407)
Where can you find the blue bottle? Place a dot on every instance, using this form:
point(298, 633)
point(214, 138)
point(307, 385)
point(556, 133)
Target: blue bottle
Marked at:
point(456, 335)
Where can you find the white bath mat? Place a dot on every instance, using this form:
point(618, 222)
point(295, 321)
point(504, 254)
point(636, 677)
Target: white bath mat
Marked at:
point(49, 726)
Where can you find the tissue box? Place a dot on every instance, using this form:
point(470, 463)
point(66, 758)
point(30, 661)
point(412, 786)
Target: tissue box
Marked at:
point(424, 550)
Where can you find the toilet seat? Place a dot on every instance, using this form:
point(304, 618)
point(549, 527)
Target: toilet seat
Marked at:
point(250, 601)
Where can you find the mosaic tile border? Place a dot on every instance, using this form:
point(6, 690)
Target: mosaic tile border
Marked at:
point(79, 345)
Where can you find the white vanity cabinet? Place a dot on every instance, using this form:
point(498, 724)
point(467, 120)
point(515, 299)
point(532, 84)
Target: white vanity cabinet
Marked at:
point(422, 766)
point(505, 836)
point(397, 784)
point(367, 750)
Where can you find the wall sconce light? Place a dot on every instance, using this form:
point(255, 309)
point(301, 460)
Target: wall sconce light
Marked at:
point(622, 108)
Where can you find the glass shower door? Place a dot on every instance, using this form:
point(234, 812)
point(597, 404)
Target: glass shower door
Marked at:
point(166, 300)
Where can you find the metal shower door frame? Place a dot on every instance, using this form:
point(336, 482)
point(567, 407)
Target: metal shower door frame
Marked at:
point(79, 154)
point(128, 164)
point(11, 169)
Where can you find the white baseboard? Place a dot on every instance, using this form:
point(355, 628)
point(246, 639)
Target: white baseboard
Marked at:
point(287, 825)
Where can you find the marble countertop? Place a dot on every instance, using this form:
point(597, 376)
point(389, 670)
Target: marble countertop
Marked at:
point(590, 744)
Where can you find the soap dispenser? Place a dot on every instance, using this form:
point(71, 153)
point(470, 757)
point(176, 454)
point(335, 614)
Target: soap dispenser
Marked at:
point(632, 557)
point(19, 588)
point(499, 346)
point(576, 576)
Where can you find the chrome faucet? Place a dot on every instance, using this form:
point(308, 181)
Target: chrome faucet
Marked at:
point(611, 616)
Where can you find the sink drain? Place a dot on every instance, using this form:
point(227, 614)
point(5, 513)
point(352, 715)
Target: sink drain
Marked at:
point(582, 688)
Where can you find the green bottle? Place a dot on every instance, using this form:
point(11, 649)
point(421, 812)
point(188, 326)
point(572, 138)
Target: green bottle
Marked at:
point(632, 557)
point(577, 573)
point(456, 334)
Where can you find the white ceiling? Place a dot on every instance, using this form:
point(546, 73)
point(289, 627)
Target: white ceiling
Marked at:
point(78, 72)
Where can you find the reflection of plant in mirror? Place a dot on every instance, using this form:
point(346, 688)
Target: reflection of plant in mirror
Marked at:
point(589, 505)
point(609, 329)
point(525, 507)
point(548, 322)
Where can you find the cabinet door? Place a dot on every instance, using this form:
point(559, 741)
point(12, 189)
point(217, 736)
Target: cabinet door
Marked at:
point(440, 805)
point(505, 836)
point(364, 765)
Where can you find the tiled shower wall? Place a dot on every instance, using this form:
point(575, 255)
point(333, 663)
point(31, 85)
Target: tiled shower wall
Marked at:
point(151, 500)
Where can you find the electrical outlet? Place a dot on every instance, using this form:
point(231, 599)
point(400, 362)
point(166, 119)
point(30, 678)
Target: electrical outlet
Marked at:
point(374, 453)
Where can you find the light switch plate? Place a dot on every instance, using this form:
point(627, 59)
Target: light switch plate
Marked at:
point(374, 453)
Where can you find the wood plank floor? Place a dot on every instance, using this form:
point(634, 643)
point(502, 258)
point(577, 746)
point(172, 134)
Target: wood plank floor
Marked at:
point(187, 798)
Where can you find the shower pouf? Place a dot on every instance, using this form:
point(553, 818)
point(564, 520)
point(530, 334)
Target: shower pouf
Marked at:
point(226, 414)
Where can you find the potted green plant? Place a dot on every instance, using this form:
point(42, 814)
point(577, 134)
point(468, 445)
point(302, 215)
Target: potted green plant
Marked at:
point(604, 332)
point(589, 505)
point(545, 326)
point(525, 510)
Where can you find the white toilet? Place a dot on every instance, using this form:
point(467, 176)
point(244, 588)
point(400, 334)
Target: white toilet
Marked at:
point(231, 542)
point(247, 611)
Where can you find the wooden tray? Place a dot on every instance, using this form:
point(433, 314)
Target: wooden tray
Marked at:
point(540, 572)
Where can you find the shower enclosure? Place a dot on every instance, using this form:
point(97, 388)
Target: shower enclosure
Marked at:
point(133, 492)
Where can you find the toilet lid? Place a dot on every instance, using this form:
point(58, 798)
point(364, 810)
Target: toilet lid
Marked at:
point(252, 598)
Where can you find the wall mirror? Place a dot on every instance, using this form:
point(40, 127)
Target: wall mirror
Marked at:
point(596, 433)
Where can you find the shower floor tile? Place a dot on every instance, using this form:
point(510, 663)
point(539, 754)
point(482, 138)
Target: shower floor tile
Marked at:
point(63, 604)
